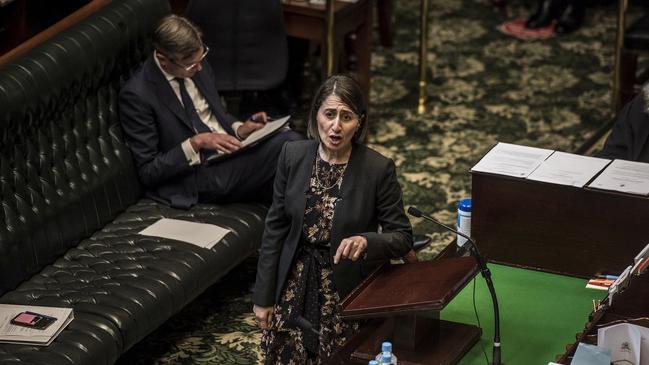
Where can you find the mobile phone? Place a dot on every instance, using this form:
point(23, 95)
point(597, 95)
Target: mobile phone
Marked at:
point(33, 320)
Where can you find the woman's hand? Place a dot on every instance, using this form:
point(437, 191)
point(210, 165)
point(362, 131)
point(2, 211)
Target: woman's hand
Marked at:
point(263, 316)
point(351, 248)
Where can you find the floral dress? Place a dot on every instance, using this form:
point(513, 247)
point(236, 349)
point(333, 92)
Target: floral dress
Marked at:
point(310, 296)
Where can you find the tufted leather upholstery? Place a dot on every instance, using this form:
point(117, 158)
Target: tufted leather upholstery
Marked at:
point(69, 198)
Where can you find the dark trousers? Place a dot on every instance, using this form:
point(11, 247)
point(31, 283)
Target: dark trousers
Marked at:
point(246, 176)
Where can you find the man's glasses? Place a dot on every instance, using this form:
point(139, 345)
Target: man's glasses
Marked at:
point(193, 65)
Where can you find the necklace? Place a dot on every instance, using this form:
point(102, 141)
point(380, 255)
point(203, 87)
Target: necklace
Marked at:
point(319, 184)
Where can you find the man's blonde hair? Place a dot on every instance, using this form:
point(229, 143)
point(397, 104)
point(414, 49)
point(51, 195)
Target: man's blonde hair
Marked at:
point(177, 38)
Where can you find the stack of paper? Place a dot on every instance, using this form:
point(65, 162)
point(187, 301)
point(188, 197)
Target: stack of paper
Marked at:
point(11, 333)
point(200, 234)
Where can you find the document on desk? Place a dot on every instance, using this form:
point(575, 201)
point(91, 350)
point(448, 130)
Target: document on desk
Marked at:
point(624, 176)
point(200, 234)
point(629, 343)
point(268, 130)
point(512, 160)
point(568, 169)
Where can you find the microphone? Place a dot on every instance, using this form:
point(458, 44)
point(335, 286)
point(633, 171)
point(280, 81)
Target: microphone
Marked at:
point(486, 274)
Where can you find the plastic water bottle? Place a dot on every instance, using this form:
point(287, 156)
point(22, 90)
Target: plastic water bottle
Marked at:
point(386, 357)
point(463, 220)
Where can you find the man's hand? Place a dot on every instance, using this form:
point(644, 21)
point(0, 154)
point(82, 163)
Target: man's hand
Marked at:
point(351, 248)
point(263, 316)
point(215, 142)
point(256, 122)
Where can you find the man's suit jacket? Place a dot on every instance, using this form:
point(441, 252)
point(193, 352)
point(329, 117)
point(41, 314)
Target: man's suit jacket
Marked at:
point(155, 125)
point(370, 196)
point(629, 139)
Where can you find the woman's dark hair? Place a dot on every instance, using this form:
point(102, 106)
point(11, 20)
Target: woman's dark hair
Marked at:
point(349, 92)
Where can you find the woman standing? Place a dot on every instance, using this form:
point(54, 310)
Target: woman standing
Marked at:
point(337, 214)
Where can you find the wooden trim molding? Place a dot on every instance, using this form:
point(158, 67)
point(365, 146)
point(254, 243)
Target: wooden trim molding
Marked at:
point(58, 27)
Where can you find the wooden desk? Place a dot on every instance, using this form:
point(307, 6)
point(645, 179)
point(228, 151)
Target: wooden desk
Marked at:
point(308, 21)
point(556, 228)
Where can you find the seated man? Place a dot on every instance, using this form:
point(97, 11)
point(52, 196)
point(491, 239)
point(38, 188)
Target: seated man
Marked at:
point(629, 139)
point(173, 119)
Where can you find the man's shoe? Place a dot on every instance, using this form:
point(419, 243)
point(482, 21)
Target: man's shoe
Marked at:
point(547, 11)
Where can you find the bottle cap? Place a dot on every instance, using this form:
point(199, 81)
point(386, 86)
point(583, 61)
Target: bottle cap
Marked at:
point(373, 362)
point(386, 346)
point(464, 205)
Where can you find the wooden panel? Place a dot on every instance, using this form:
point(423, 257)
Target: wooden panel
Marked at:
point(48, 33)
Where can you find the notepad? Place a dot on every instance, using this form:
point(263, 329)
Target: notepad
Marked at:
point(11, 333)
point(269, 129)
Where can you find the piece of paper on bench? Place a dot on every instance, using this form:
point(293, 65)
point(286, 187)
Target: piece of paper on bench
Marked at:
point(200, 234)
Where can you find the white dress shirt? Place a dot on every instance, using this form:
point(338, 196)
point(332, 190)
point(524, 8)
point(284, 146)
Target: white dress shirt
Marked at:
point(202, 109)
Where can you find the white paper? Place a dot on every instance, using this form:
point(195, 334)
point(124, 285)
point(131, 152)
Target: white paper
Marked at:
point(512, 160)
point(625, 176)
point(254, 137)
point(568, 169)
point(269, 127)
point(628, 343)
point(12, 333)
point(200, 234)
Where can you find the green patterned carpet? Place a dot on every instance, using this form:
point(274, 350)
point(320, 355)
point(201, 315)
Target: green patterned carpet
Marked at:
point(485, 87)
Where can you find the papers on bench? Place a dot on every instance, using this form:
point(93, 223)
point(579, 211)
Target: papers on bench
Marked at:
point(565, 168)
point(200, 234)
point(268, 130)
point(11, 333)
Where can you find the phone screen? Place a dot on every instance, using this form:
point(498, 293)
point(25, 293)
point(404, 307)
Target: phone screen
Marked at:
point(33, 320)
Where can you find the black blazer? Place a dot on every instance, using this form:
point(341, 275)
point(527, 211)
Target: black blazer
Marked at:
point(370, 196)
point(629, 139)
point(155, 124)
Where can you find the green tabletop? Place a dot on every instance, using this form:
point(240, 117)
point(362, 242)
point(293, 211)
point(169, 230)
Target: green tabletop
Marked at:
point(539, 312)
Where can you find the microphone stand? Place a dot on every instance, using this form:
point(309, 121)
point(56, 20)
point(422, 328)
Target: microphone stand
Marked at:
point(486, 274)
